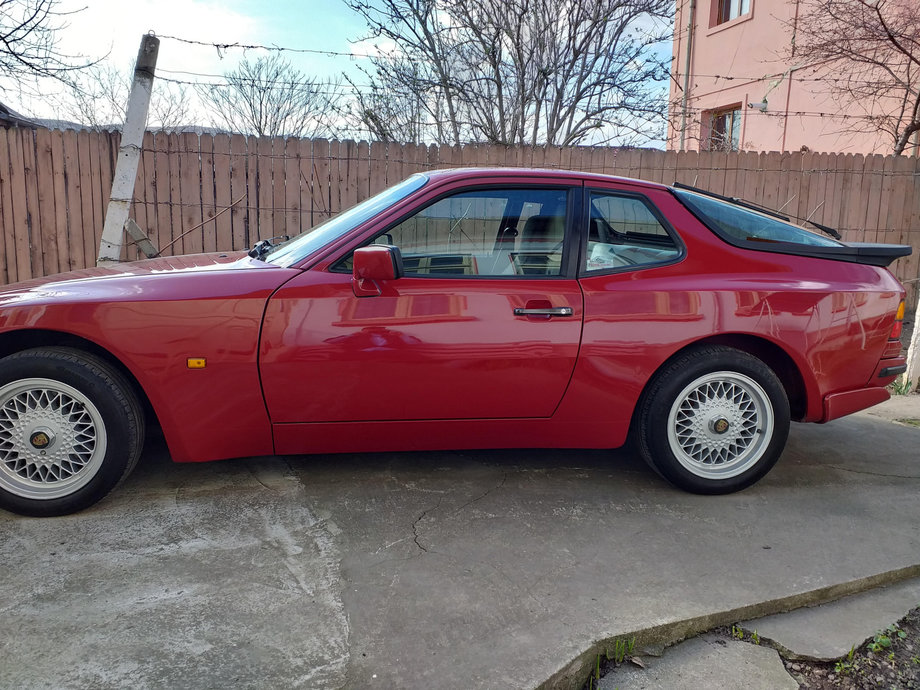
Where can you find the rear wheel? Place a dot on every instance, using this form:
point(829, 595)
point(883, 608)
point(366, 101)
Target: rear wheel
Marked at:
point(715, 420)
point(71, 430)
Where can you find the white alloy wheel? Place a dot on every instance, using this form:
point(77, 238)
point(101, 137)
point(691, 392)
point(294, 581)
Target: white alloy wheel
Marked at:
point(720, 425)
point(52, 439)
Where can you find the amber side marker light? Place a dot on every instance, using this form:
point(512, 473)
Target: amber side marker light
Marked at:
point(898, 323)
point(196, 362)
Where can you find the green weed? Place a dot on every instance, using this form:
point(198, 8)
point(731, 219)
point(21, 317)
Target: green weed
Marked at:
point(901, 386)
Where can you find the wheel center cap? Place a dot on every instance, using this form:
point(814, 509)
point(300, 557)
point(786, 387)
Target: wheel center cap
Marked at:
point(41, 438)
point(719, 425)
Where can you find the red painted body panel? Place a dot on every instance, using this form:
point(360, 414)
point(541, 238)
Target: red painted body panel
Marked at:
point(297, 363)
point(425, 348)
point(837, 405)
point(152, 316)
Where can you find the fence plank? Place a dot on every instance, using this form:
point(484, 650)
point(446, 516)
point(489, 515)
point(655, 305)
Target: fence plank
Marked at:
point(87, 194)
point(873, 197)
point(174, 194)
point(363, 172)
point(278, 183)
point(378, 167)
point(772, 181)
point(222, 225)
point(209, 208)
point(45, 229)
point(319, 198)
point(833, 215)
point(813, 184)
point(730, 173)
point(292, 185)
point(348, 173)
point(260, 162)
point(7, 221)
point(33, 207)
point(336, 179)
point(21, 229)
point(162, 188)
point(852, 215)
point(305, 177)
point(59, 176)
point(190, 190)
point(753, 176)
point(239, 214)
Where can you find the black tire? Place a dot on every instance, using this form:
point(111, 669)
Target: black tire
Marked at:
point(713, 421)
point(71, 430)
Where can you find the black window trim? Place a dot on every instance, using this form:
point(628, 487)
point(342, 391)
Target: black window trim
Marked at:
point(583, 272)
point(568, 265)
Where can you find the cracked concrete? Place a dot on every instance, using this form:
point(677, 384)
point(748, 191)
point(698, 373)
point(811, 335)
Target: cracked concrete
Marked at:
point(214, 579)
point(461, 570)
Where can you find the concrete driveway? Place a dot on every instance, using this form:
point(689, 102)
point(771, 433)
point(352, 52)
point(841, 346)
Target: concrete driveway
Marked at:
point(455, 570)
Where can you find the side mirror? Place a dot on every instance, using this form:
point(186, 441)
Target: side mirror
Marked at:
point(373, 264)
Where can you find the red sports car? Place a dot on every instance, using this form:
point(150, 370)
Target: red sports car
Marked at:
point(457, 309)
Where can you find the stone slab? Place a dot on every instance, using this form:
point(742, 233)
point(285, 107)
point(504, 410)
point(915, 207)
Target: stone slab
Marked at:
point(704, 662)
point(826, 632)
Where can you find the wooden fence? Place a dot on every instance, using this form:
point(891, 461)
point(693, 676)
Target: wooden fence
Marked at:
point(54, 188)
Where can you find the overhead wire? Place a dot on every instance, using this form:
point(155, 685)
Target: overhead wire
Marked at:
point(221, 80)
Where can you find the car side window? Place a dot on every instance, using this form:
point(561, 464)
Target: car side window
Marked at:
point(488, 232)
point(623, 232)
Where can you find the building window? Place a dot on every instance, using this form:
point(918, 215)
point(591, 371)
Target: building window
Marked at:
point(729, 9)
point(725, 129)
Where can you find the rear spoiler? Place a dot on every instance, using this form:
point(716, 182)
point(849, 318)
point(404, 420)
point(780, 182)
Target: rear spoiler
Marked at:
point(853, 252)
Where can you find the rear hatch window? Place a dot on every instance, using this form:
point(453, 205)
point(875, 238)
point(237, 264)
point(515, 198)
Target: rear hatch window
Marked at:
point(739, 224)
point(747, 228)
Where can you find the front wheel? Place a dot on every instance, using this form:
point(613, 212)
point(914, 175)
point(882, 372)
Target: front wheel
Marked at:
point(713, 421)
point(71, 429)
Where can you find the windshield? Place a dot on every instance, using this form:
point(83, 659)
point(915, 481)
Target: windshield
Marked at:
point(735, 223)
point(300, 247)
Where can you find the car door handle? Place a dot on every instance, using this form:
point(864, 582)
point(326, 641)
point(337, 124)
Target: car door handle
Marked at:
point(549, 311)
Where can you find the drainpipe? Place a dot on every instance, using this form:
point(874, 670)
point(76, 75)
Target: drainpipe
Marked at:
point(683, 107)
point(790, 72)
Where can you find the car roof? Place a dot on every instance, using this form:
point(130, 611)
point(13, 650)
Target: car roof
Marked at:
point(445, 174)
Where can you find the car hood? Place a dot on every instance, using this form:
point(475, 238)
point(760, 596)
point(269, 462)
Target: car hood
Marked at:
point(98, 280)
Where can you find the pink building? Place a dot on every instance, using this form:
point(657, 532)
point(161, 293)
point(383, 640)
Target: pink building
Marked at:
point(739, 85)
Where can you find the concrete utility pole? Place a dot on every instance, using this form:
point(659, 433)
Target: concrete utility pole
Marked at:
point(911, 377)
point(129, 153)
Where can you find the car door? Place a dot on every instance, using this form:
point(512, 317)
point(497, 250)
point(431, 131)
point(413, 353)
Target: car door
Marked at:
point(484, 324)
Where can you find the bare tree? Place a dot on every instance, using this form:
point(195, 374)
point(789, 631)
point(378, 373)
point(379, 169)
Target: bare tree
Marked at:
point(384, 115)
point(268, 97)
point(29, 32)
point(872, 51)
point(521, 71)
point(98, 97)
